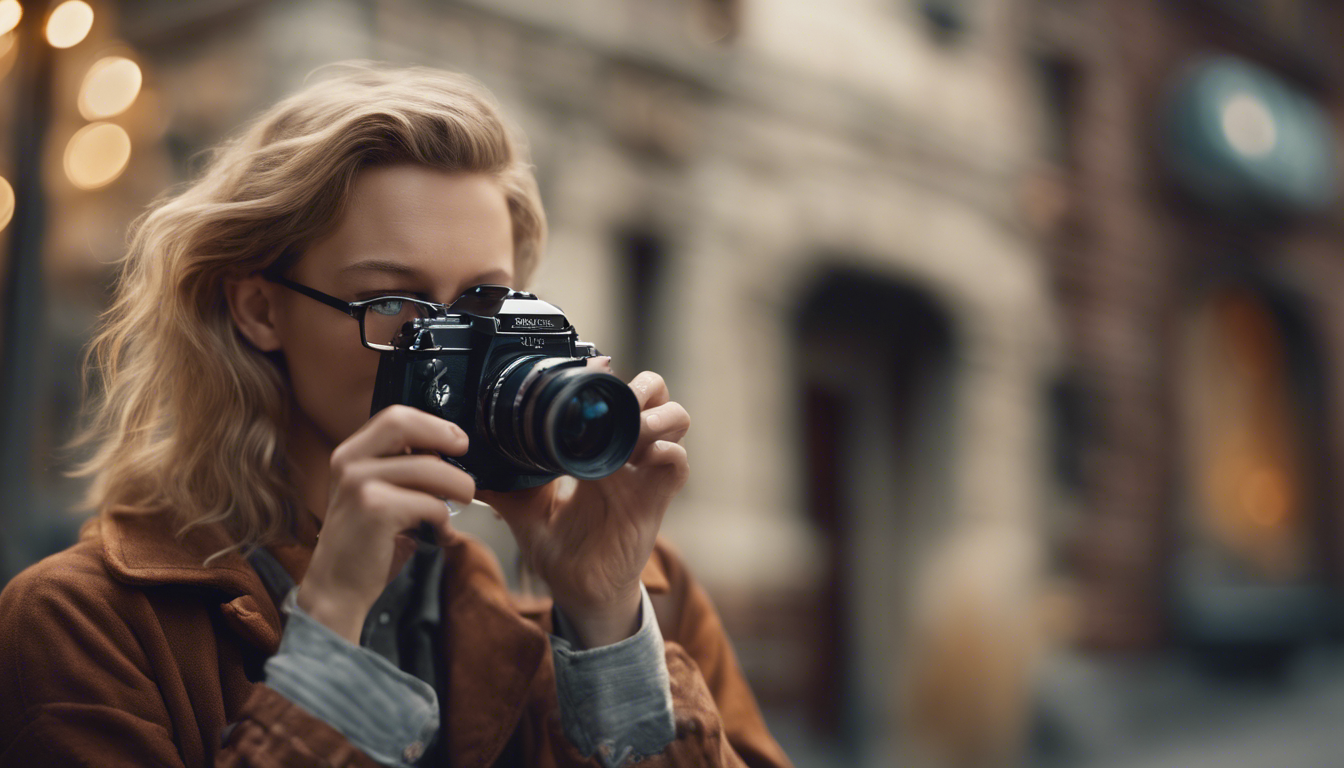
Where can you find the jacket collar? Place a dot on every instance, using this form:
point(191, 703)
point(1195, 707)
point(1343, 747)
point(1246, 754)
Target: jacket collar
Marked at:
point(143, 548)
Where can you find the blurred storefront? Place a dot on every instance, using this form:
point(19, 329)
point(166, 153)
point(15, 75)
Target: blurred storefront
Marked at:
point(1198, 270)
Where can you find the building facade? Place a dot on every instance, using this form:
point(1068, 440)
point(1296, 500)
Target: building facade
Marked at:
point(822, 225)
point(1197, 266)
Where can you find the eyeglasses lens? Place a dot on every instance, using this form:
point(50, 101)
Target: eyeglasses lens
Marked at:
point(383, 319)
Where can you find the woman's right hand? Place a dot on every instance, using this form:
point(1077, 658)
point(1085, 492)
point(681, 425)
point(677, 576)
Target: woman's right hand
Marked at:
point(379, 491)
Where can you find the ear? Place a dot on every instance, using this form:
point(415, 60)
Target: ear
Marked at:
point(253, 304)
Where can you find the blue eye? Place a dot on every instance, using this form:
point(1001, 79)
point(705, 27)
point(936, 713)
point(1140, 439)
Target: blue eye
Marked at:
point(389, 307)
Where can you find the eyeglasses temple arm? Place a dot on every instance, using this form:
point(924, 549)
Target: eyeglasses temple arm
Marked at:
point(313, 293)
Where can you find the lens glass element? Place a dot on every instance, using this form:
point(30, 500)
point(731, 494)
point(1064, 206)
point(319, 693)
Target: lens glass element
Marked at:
point(585, 426)
point(553, 414)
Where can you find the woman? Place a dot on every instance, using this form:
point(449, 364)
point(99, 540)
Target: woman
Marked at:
point(248, 594)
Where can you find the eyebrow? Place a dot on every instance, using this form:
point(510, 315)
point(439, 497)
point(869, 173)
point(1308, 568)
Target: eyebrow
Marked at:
point(381, 265)
point(397, 268)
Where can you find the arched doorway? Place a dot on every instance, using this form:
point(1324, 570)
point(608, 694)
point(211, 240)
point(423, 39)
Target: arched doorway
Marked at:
point(873, 371)
point(1252, 536)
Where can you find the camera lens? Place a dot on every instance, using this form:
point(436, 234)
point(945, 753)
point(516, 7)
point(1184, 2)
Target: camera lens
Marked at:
point(555, 415)
point(585, 425)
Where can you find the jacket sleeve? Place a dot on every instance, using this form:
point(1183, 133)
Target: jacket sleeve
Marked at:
point(78, 686)
point(615, 700)
point(274, 732)
point(717, 720)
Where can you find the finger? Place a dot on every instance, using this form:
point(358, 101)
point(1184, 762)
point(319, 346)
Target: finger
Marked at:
point(396, 428)
point(669, 422)
point(399, 509)
point(420, 472)
point(668, 465)
point(650, 390)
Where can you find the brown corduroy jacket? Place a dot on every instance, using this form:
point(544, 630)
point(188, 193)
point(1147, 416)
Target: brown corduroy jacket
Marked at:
point(126, 650)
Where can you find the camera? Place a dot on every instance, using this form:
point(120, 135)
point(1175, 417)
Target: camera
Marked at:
point(510, 370)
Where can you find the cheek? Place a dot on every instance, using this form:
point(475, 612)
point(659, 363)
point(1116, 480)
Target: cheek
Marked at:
point(331, 375)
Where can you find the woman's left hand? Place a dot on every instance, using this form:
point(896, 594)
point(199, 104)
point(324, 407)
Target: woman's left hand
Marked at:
point(590, 545)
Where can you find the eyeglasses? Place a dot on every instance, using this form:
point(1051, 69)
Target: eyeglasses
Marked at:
point(382, 317)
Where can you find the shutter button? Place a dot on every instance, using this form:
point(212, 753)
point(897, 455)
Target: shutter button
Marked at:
point(413, 751)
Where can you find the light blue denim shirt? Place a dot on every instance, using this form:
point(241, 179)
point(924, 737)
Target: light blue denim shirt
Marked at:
point(615, 701)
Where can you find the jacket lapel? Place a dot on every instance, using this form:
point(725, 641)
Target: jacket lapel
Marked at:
point(141, 548)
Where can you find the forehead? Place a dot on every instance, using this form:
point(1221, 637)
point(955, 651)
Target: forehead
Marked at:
point(407, 221)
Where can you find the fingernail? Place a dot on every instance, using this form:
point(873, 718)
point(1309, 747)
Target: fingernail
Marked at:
point(454, 508)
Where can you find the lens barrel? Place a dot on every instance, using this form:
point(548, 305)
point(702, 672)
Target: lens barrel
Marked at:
point(555, 415)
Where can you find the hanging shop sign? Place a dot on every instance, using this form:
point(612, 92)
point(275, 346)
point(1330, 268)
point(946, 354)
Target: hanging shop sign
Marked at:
point(1238, 137)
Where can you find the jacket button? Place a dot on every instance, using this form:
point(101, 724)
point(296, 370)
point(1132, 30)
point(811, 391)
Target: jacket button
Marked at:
point(413, 751)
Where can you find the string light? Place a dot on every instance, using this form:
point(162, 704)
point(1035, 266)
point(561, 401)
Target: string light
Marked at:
point(10, 13)
point(96, 155)
point(69, 23)
point(109, 88)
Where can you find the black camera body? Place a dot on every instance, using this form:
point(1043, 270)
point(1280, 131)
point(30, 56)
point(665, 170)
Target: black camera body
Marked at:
point(510, 370)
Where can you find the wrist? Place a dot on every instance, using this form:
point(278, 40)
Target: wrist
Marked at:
point(605, 623)
point(332, 614)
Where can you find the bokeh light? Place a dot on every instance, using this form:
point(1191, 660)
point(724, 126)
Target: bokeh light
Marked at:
point(1249, 126)
point(96, 155)
point(109, 88)
point(6, 203)
point(10, 13)
point(69, 23)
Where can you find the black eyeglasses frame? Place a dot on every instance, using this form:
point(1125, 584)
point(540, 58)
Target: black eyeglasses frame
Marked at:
point(355, 309)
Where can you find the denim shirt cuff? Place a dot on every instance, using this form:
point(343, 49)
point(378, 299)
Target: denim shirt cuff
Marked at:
point(615, 700)
point(391, 715)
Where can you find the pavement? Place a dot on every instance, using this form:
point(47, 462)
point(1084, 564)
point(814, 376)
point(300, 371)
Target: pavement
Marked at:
point(1167, 711)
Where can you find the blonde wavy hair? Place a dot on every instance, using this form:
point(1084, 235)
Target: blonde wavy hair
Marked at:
point(190, 416)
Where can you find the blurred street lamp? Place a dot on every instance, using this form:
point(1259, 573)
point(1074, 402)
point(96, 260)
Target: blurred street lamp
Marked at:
point(95, 156)
point(24, 300)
